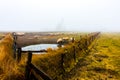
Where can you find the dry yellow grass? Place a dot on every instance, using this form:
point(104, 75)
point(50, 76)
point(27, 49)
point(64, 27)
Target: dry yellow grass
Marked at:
point(8, 66)
point(6, 48)
point(51, 63)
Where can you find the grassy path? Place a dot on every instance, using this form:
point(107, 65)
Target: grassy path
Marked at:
point(103, 62)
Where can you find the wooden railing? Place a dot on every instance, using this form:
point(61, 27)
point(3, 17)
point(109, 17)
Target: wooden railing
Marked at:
point(31, 70)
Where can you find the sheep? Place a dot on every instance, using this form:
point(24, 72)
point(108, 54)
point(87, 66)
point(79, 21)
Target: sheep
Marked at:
point(72, 39)
point(64, 40)
point(60, 42)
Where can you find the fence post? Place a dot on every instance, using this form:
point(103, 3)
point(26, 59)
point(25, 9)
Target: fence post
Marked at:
point(19, 54)
point(14, 50)
point(14, 44)
point(33, 77)
point(74, 53)
point(86, 43)
point(62, 61)
point(27, 70)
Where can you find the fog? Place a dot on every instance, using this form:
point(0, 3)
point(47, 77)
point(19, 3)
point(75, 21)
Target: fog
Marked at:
point(60, 15)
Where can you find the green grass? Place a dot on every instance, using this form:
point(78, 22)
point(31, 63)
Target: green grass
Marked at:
point(103, 62)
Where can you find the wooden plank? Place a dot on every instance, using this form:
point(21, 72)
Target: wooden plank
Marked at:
point(27, 69)
point(62, 61)
point(32, 76)
point(14, 44)
point(74, 55)
point(19, 54)
point(34, 51)
point(39, 72)
point(14, 50)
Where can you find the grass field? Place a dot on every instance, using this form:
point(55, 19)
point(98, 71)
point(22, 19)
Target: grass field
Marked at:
point(102, 63)
point(9, 70)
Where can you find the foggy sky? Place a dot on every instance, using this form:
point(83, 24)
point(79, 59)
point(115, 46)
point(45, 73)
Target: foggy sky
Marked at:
point(60, 15)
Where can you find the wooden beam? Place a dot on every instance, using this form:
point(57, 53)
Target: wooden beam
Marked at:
point(43, 75)
point(34, 51)
point(19, 54)
point(27, 69)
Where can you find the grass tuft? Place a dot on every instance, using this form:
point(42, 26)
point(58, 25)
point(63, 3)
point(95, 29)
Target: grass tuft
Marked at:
point(8, 67)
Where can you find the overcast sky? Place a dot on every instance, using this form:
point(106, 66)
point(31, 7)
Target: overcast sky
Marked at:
point(60, 15)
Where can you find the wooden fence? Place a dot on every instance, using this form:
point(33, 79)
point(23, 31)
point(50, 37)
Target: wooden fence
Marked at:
point(31, 70)
point(82, 45)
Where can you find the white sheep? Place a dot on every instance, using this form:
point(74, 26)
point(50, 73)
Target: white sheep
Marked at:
point(72, 39)
point(60, 42)
point(64, 40)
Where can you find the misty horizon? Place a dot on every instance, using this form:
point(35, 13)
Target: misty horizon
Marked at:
point(60, 15)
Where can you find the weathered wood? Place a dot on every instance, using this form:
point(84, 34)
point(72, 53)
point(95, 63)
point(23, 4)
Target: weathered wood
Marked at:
point(14, 50)
point(62, 62)
point(74, 53)
point(27, 70)
point(19, 54)
point(14, 44)
point(35, 51)
point(32, 69)
point(14, 36)
point(32, 76)
point(40, 72)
